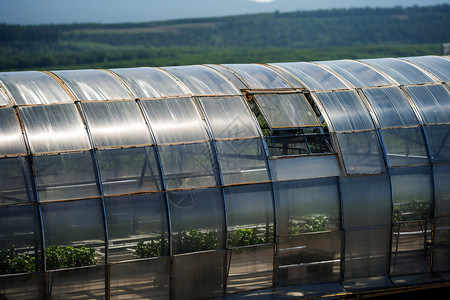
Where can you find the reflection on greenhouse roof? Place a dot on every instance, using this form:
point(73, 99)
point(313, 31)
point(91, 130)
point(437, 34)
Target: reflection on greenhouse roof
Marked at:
point(203, 181)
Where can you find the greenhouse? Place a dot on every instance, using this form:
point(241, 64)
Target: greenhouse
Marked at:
point(205, 181)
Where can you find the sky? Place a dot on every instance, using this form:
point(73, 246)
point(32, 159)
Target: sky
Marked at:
point(34, 12)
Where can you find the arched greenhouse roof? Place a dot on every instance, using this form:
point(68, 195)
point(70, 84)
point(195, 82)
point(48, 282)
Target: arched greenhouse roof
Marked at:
point(192, 182)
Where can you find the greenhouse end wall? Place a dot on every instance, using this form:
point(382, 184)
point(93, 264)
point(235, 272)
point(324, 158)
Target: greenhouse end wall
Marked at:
point(205, 181)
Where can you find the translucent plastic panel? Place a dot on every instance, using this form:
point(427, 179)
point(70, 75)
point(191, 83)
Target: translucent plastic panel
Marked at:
point(412, 191)
point(229, 74)
point(308, 206)
point(250, 213)
point(11, 139)
point(32, 87)
point(313, 76)
point(433, 102)
point(357, 73)
point(3, 98)
point(367, 253)
point(405, 146)
point(15, 181)
point(128, 170)
point(345, 110)
point(137, 226)
point(197, 220)
point(53, 128)
point(361, 152)
point(22, 286)
point(366, 201)
point(402, 72)
point(199, 275)
point(202, 80)
point(78, 283)
point(309, 258)
point(441, 254)
point(76, 224)
point(439, 66)
point(65, 176)
point(242, 161)
point(442, 190)
point(19, 238)
point(188, 166)
point(259, 77)
point(287, 110)
point(391, 107)
point(147, 279)
point(229, 117)
point(175, 120)
point(305, 167)
point(411, 242)
point(93, 85)
point(250, 268)
point(116, 124)
point(150, 82)
point(439, 139)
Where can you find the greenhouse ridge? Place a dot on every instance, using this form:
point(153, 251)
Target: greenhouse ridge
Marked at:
point(192, 182)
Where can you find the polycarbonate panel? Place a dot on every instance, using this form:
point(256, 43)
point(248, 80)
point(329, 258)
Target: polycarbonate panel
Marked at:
point(175, 120)
point(441, 254)
point(309, 258)
point(361, 152)
point(32, 87)
point(402, 72)
point(150, 82)
point(412, 192)
point(19, 232)
point(93, 85)
point(411, 248)
point(439, 66)
point(202, 80)
point(439, 140)
point(366, 201)
point(391, 107)
point(198, 275)
point(230, 75)
point(54, 128)
point(346, 111)
point(229, 117)
point(75, 223)
point(3, 98)
point(116, 124)
point(367, 253)
point(442, 190)
point(405, 146)
point(137, 226)
point(357, 73)
point(22, 286)
point(305, 167)
point(128, 170)
point(65, 176)
point(250, 214)
point(433, 102)
point(313, 76)
point(286, 110)
point(188, 166)
point(11, 139)
point(258, 76)
point(147, 279)
point(307, 206)
point(197, 220)
point(78, 283)
point(16, 181)
point(242, 161)
point(250, 268)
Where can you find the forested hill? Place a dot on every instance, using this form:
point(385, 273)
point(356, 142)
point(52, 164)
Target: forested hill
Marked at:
point(162, 43)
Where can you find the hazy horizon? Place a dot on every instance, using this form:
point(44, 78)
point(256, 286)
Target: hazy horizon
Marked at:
point(34, 12)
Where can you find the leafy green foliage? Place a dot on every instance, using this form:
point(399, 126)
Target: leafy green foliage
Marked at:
point(244, 237)
point(151, 248)
point(194, 240)
point(315, 223)
point(68, 257)
point(12, 262)
point(411, 211)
